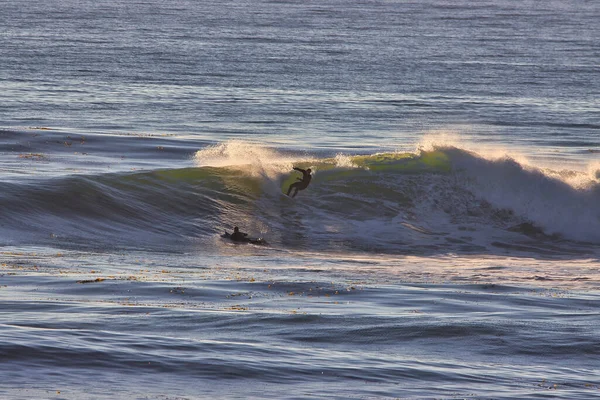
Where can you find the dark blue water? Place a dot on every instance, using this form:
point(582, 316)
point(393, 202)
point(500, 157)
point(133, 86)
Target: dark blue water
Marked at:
point(446, 248)
point(325, 73)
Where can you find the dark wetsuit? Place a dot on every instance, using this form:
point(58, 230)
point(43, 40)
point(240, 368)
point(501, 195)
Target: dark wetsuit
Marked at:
point(238, 236)
point(302, 184)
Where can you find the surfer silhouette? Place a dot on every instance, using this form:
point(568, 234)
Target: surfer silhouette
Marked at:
point(241, 237)
point(303, 182)
point(238, 236)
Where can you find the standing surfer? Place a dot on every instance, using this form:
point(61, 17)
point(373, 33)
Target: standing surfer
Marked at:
point(303, 182)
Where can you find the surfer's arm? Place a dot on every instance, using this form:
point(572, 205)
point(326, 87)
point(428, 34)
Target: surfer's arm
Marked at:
point(300, 169)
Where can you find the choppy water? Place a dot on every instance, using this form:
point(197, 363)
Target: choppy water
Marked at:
point(447, 246)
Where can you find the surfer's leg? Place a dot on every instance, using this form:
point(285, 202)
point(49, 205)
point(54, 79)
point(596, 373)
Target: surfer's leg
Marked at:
point(293, 186)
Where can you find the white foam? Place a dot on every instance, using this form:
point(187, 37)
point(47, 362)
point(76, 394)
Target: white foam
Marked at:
point(344, 161)
point(567, 204)
point(254, 159)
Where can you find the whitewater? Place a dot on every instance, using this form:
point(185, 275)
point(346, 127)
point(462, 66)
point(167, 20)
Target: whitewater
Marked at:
point(447, 247)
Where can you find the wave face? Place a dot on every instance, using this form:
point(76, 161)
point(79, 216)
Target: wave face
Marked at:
point(442, 199)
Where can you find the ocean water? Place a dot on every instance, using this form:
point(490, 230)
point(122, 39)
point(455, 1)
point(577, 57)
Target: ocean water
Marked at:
point(448, 246)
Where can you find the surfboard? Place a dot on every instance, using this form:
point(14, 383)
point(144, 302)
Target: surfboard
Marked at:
point(285, 196)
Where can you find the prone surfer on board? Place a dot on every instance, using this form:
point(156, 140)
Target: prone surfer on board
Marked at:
point(241, 237)
point(303, 182)
point(238, 236)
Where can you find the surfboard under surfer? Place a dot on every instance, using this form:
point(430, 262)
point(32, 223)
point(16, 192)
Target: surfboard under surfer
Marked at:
point(303, 182)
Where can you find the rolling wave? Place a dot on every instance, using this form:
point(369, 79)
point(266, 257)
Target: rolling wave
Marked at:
point(443, 199)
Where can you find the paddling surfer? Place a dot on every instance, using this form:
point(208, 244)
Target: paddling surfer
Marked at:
point(238, 236)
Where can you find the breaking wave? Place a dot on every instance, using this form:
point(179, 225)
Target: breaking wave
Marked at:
point(437, 199)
